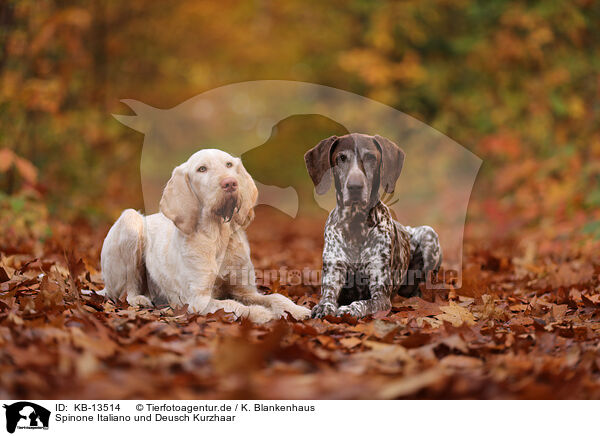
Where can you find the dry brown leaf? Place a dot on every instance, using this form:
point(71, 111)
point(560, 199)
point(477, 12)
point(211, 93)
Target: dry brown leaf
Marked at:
point(456, 315)
point(350, 342)
point(461, 362)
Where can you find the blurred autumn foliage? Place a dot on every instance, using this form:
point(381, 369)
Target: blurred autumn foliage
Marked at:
point(514, 82)
point(517, 83)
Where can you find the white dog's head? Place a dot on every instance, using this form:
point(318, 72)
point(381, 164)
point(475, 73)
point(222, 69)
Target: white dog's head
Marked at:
point(211, 184)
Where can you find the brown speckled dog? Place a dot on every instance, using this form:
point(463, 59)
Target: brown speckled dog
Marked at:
point(367, 255)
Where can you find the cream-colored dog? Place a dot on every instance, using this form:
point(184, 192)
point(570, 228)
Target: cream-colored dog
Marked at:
point(195, 250)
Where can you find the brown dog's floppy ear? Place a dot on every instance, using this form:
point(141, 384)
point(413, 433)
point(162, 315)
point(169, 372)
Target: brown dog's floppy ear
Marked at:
point(392, 160)
point(179, 203)
point(317, 163)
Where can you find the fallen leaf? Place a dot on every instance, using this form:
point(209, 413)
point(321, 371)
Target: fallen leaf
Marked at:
point(456, 315)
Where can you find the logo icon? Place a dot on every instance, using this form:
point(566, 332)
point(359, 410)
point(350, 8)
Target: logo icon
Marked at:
point(26, 415)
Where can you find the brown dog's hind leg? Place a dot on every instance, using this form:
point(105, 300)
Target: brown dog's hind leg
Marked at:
point(426, 259)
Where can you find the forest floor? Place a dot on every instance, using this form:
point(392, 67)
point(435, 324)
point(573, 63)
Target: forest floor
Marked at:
point(525, 324)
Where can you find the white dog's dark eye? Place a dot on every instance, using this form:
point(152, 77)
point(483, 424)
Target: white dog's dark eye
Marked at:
point(202, 169)
point(342, 158)
point(228, 164)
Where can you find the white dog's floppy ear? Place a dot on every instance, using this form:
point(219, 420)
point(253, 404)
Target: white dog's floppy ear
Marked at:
point(248, 196)
point(179, 203)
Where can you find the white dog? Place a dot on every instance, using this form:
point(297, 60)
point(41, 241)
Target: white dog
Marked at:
point(194, 251)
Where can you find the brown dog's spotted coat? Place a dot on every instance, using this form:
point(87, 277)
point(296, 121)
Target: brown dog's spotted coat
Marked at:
point(367, 254)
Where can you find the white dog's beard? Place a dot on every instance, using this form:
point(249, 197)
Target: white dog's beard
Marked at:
point(227, 207)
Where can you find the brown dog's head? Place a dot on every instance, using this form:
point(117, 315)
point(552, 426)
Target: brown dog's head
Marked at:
point(360, 163)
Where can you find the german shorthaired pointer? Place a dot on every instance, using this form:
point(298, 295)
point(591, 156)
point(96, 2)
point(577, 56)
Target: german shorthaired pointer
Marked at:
point(367, 255)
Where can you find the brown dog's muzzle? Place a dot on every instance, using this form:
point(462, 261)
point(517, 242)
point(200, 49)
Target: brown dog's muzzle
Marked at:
point(355, 186)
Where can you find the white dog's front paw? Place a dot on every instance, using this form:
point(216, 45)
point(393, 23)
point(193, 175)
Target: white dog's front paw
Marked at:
point(139, 300)
point(201, 305)
point(260, 314)
point(299, 313)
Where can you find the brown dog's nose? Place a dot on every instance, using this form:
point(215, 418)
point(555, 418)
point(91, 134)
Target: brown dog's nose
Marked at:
point(229, 184)
point(354, 187)
point(354, 184)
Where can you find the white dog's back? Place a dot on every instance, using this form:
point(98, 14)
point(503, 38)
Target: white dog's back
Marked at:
point(122, 255)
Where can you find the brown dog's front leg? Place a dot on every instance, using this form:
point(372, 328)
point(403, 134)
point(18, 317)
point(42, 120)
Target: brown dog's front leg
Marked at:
point(359, 309)
point(334, 276)
point(376, 267)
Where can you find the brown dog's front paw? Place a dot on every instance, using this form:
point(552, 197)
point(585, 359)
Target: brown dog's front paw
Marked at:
point(321, 310)
point(349, 310)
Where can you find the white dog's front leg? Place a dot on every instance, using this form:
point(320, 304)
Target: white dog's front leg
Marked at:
point(278, 303)
point(200, 288)
point(241, 284)
point(199, 304)
point(257, 314)
point(202, 302)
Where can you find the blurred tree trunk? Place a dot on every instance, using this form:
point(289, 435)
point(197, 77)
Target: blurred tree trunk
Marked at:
point(99, 34)
point(6, 23)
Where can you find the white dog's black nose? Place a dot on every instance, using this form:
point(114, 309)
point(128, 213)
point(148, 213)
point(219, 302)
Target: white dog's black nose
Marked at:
point(229, 184)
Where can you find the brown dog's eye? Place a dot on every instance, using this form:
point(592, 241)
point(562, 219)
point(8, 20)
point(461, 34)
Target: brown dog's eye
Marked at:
point(342, 158)
point(370, 157)
point(228, 164)
point(202, 169)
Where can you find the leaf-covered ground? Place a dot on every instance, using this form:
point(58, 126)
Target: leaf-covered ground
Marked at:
point(525, 324)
